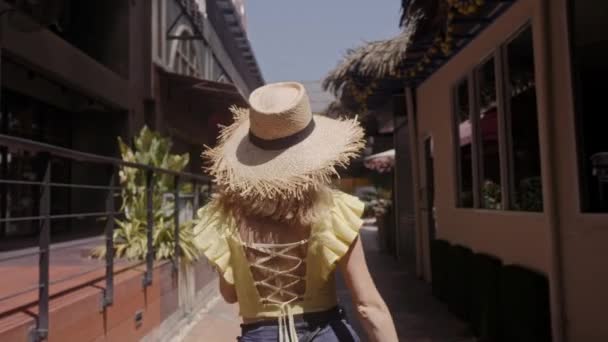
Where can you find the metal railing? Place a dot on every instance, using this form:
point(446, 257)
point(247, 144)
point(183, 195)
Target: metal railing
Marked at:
point(45, 217)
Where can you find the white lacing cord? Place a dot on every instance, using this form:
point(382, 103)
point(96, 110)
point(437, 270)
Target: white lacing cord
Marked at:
point(287, 328)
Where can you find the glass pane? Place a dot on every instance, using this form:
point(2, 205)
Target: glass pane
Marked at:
point(590, 53)
point(160, 37)
point(525, 150)
point(488, 131)
point(28, 118)
point(203, 61)
point(192, 52)
point(178, 63)
point(464, 132)
point(218, 70)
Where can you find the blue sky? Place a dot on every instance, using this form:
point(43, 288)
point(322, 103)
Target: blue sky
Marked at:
point(303, 39)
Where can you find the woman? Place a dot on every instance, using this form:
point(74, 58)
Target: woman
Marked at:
point(275, 231)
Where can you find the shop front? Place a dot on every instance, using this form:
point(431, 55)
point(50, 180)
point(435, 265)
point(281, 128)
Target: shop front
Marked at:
point(58, 88)
point(508, 158)
point(517, 160)
point(36, 107)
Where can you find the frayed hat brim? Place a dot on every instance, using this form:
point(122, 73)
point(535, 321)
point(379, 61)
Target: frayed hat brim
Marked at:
point(239, 166)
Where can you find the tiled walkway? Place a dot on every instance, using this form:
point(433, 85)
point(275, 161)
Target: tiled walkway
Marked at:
point(418, 316)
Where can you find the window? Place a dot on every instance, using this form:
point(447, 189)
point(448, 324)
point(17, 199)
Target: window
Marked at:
point(202, 6)
point(26, 117)
point(487, 123)
point(187, 61)
point(217, 71)
point(224, 79)
point(464, 130)
point(526, 189)
point(498, 154)
point(159, 13)
point(204, 51)
point(589, 44)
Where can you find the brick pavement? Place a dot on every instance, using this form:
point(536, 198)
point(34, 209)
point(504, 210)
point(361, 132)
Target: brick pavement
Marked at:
point(418, 316)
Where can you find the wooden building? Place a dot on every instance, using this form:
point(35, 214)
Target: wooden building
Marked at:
point(79, 75)
point(509, 161)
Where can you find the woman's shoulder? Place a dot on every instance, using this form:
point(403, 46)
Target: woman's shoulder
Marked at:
point(344, 212)
point(346, 204)
point(338, 229)
point(212, 226)
point(215, 218)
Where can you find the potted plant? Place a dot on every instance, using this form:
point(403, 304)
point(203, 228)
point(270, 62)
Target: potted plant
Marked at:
point(130, 234)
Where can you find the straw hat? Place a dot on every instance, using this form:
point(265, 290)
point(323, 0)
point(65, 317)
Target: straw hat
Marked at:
point(278, 149)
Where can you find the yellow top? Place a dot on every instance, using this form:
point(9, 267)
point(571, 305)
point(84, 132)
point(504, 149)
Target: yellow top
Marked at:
point(329, 240)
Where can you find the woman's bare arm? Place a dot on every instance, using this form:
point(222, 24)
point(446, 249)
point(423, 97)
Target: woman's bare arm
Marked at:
point(371, 308)
point(228, 291)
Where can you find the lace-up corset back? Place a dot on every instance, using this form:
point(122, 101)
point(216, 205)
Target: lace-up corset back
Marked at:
point(278, 269)
point(280, 272)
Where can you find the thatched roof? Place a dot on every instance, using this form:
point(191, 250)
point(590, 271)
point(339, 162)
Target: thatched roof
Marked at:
point(384, 60)
point(374, 60)
point(405, 6)
point(336, 109)
point(433, 31)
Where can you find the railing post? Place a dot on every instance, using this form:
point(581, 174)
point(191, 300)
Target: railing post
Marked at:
point(196, 190)
point(108, 294)
point(42, 328)
point(149, 227)
point(176, 253)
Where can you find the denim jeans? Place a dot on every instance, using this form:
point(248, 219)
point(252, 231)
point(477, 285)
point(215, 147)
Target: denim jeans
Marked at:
point(335, 330)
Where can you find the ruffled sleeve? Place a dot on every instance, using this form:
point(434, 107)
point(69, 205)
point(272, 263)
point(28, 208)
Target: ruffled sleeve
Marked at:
point(211, 238)
point(340, 228)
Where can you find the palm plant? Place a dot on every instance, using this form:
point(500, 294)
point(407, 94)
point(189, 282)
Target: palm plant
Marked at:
point(130, 238)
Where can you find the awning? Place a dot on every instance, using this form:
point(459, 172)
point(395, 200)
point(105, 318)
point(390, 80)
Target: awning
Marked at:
point(193, 109)
point(488, 126)
point(386, 154)
point(381, 162)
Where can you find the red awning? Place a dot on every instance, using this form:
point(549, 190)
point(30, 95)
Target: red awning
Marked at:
point(488, 125)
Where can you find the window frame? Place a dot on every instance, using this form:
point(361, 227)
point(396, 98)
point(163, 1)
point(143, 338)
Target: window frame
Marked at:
point(498, 56)
point(504, 117)
point(186, 54)
point(583, 195)
point(456, 141)
point(188, 61)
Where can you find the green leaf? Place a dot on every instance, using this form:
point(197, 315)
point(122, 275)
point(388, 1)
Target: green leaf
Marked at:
point(130, 233)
